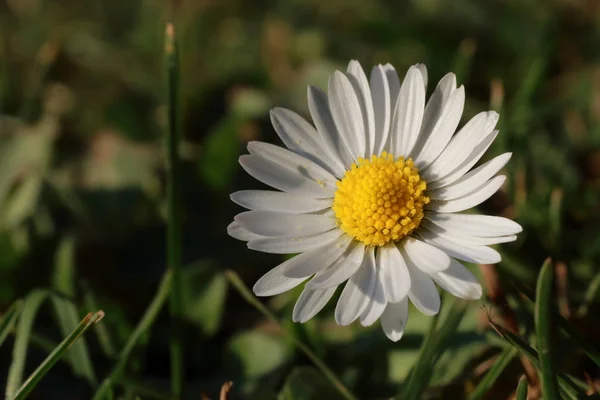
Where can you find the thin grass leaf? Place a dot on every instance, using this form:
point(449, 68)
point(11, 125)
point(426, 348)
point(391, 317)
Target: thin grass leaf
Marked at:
point(590, 296)
point(522, 389)
point(568, 328)
point(104, 338)
point(174, 209)
point(432, 350)
point(141, 329)
point(567, 387)
point(494, 373)
point(543, 328)
point(68, 320)
point(9, 319)
point(58, 352)
point(63, 281)
point(31, 305)
point(243, 290)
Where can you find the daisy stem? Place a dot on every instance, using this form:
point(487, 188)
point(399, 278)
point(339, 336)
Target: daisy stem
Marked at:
point(249, 297)
point(174, 210)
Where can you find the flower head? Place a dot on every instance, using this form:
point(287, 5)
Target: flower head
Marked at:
point(371, 197)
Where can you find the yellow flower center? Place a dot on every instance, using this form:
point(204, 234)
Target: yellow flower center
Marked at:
point(380, 199)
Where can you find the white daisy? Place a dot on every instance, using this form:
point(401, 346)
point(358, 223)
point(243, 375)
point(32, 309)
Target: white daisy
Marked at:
point(372, 196)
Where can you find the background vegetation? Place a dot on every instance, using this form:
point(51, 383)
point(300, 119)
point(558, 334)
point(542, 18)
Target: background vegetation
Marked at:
point(83, 186)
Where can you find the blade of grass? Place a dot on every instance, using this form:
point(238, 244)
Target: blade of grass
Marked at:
point(9, 319)
point(567, 386)
point(432, 350)
point(174, 211)
point(58, 352)
point(522, 389)
point(494, 373)
point(141, 329)
point(567, 327)
point(31, 305)
point(543, 328)
point(104, 337)
point(67, 315)
point(249, 297)
point(68, 320)
point(589, 297)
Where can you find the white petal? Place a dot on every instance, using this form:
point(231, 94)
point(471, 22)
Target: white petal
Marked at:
point(394, 318)
point(357, 293)
point(471, 180)
point(459, 148)
point(290, 160)
point(347, 114)
point(236, 231)
point(467, 164)
point(467, 240)
point(303, 139)
point(474, 224)
point(434, 109)
point(318, 105)
point(359, 82)
point(317, 260)
point(443, 130)
point(408, 114)
point(291, 181)
point(376, 304)
point(393, 84)
point(423, 293)
point(310, 303)
point(265, 200)
point(423, 70)
point(459, 281)
point(382, 108)
point(273, 282)
point(396, 279)
point(272, 224)
point(426, 257)
point(469, 253)
point(279, 245)
point(341, 270)
point(469, 200)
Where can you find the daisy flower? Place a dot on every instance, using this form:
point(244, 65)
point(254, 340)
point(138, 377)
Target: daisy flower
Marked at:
point(372, 195)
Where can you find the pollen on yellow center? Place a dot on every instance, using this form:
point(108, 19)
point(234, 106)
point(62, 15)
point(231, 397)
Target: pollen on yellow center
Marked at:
point(380, 199)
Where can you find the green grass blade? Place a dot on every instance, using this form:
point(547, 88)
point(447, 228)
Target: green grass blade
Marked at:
point(68, 320)
point(63, 276)
point(568, 328)
point(239, 285)
point(58, 352)
point(522, 389)
point(104, 338)
point(568, 388)
point(66, 312)
point(31, 305)
point(590, 295)
point(141, 329)
point(432, 350)
point(494, 373)
point(9, 319)
point(174, 210)
point(543, 328)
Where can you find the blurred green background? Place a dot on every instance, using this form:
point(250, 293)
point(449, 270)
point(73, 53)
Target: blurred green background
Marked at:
point(82, 177)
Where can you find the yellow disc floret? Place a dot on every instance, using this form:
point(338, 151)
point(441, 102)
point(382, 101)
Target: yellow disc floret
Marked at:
point(380, 199)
